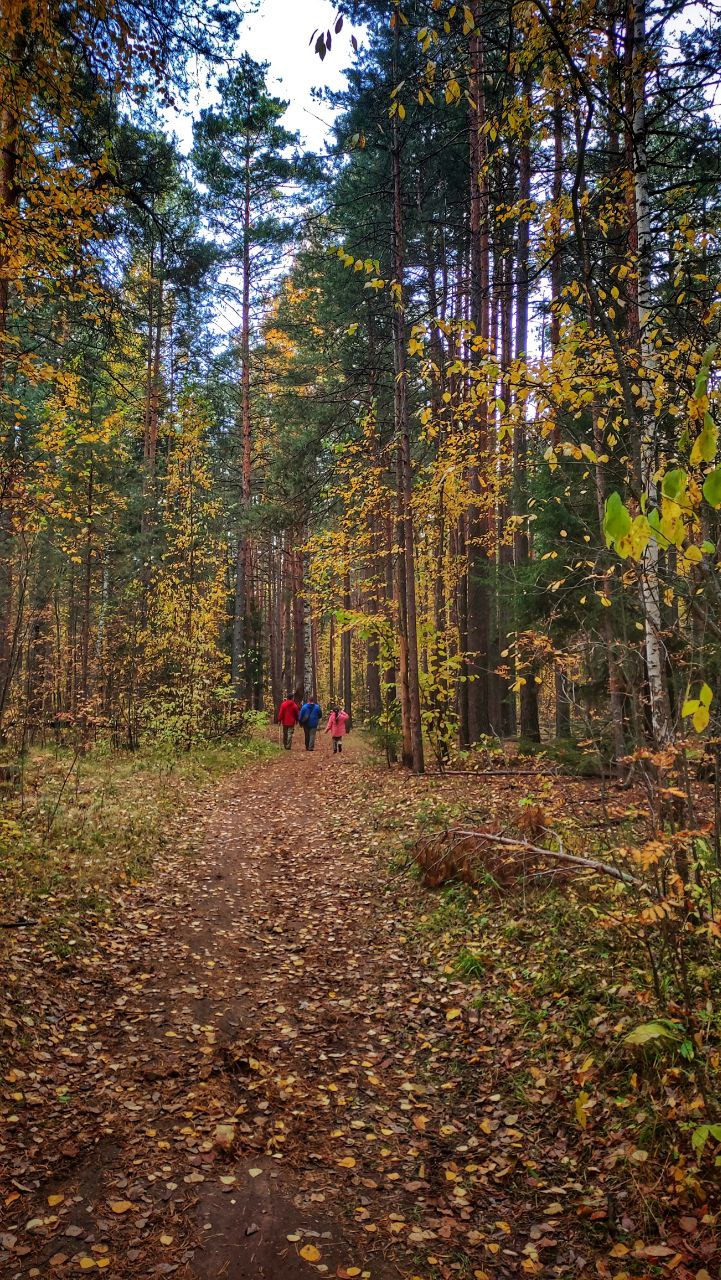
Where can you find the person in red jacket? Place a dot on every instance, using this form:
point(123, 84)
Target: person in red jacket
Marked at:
point(288, 717)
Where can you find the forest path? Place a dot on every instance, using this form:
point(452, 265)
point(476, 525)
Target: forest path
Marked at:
point(255, 1074)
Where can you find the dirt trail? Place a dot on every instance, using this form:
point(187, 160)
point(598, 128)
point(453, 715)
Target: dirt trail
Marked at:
point(245, 1076)
point(257, 1071)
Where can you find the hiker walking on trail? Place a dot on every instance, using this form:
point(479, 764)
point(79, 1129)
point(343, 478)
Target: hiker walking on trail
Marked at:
point(310, 714)
point(337, 727)
point(288, 718)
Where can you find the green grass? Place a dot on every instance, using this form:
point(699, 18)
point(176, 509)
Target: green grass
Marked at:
point(455, 911)
point(470, 965)
point(573, 759)
point(76, 827)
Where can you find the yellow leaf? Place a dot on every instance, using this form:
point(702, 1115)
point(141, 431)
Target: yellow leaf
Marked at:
point(310, 1253)
point(166, 1239)
point(347, 1162)
point(120, 1206)
point(53, 1200)
point(580, 1104)
point(86, 1263)
point(700, 719)
point(452, 1014)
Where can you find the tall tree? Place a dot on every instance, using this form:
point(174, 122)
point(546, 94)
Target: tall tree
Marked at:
point(245, 158)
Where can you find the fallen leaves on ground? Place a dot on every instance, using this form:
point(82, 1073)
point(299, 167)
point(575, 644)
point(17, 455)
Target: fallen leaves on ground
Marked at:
point(262, 1060)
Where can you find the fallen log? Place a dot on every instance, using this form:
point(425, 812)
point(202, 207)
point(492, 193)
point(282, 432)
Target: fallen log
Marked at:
point(492, 773)
point(524, 846)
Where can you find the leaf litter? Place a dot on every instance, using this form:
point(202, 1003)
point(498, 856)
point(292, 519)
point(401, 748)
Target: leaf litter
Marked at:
point(258, 1068)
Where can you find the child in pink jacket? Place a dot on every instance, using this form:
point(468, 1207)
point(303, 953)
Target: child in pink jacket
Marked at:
point(337, 727)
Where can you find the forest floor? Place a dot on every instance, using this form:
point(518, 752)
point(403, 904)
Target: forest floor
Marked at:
point(281, 1055)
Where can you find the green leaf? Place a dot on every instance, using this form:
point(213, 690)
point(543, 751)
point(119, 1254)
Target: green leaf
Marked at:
point(712, 488)
point(648, 1031)
point(674, 483)
point(708, 548)
point(702, 376)
point(616, 521)
point(699, 1137)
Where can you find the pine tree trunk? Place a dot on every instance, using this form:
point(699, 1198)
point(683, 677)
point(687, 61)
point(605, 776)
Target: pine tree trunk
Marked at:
point(464, 732)
point(506, 603)
point(240, 674)
point(478, 596)
point(529, 725)
point(411, 706)
point(9, 199)
point(308, 667)
point(287, 579)
point(237, 673)
point(390, 676)
point(274, 628)
point(88, 573)
point(563, 705)
point(300, 690)
point(346, 654)
point(373, 671)
point(373, 680)
point(331, 661)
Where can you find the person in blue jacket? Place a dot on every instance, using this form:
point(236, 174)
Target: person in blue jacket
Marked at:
point(309, 719)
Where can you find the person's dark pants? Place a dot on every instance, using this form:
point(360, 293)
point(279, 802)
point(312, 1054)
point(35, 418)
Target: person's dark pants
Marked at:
point(310, 732)
point(337, 745)
point(288, 736)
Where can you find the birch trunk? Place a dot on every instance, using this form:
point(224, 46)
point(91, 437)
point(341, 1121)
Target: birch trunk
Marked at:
point(650, 588)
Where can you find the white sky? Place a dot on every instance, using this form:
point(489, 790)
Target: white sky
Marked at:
point(279, 33)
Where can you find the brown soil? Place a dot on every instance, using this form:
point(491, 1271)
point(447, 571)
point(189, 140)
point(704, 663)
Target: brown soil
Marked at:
point(263, 987)
point(256, 1072)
